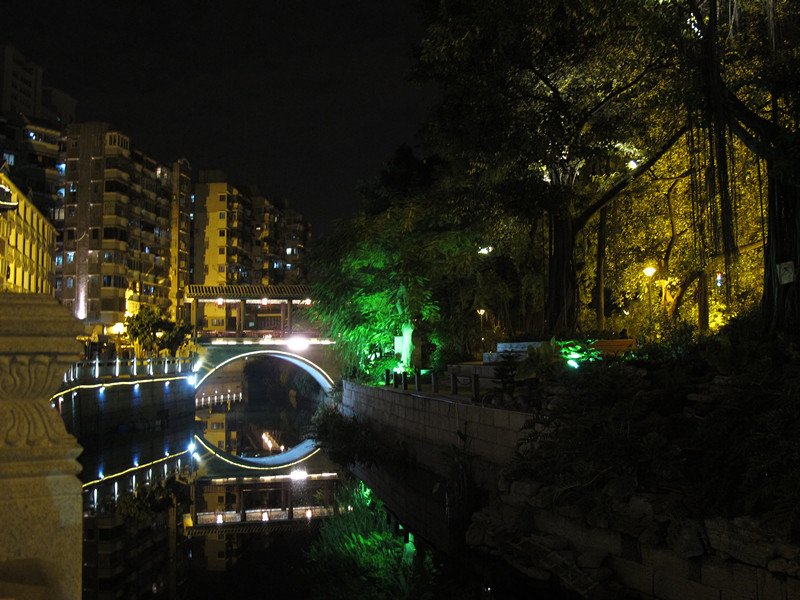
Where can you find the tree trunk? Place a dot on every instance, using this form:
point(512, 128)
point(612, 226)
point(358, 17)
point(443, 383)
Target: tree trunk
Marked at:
point(781, 301)
point(702, 302)
point(561, 313)
point(600, 280)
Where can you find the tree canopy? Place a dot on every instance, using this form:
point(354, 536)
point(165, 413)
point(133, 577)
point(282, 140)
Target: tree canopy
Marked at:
point(152, 331)
point(582, 142)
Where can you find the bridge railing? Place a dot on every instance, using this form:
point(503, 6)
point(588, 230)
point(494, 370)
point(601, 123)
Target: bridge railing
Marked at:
point(128, 367)
point(261, 514)
point(207, 336)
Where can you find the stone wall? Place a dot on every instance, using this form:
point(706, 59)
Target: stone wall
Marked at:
point(429, 424)
point(636, 545)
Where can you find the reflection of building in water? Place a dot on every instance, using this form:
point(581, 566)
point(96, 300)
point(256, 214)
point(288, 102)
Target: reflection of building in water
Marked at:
point(133, 557)
point(220, 428)
point(236, 501)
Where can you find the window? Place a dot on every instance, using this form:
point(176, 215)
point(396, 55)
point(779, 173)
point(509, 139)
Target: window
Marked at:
point(70, 282)
point(222, 250)
point(70, 259)
point(222, 215)
point(218, 426)
point(221, 445)
point(221, 268)
point(221, 233)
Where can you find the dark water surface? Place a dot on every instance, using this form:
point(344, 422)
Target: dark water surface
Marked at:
point(276, 568)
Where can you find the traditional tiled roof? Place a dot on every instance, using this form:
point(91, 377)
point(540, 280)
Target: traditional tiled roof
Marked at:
point(244, 292)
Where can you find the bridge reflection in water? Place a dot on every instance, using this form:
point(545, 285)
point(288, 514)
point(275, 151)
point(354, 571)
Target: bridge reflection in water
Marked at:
point(289, 491)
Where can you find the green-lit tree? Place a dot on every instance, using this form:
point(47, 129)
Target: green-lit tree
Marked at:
point(375, 279)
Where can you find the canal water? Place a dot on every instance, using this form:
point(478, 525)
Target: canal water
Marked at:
point(278, 568)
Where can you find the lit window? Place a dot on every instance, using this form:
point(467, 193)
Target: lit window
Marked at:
point(70, 282)
point(222, 215)
point(70, 258)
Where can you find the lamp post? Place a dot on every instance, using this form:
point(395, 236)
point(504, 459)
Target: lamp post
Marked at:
point(649, 271)
point(481, 312)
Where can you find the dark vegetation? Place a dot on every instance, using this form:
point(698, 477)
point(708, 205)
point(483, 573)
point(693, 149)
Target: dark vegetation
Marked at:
point(714, 425)
point(711, 425)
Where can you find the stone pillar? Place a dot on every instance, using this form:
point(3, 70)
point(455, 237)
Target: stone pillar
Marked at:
point(41, 512)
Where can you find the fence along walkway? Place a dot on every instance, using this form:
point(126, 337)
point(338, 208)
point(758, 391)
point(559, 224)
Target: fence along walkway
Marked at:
point(129, 368)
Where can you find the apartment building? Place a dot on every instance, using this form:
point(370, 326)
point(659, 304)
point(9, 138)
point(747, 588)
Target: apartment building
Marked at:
point(223, 243)
point(23, 93)
point(180, 266)
point(27, 242)
point(117, 227)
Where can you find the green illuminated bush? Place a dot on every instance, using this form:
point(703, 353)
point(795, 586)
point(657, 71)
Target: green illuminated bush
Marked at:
point(360, 554)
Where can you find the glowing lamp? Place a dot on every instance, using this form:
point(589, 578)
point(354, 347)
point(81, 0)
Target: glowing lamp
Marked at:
point(297, 344)
point(649, 271)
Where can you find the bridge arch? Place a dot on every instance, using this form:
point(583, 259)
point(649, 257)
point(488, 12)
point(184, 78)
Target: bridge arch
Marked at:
point(213, 364)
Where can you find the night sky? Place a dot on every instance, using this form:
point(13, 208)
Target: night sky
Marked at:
point(302, 98)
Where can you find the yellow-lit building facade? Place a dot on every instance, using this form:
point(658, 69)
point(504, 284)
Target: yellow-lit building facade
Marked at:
point(223, 245)
point(27, 243)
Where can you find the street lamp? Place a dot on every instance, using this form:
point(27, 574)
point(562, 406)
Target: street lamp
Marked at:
point(649, 271)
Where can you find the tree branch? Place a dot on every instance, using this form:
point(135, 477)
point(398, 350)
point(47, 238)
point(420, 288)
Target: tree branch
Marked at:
point(581, 220)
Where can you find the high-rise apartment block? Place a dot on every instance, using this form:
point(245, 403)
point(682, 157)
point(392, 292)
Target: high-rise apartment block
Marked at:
point(22, 92)
point(128, 231)
point(27, 240)
point(117, 227)
point(180, 265)
point(223, 243)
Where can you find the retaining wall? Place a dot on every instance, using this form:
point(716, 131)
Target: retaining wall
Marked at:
point(637, 549)
point(429, 425)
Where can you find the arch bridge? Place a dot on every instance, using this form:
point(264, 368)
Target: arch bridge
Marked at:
point(236, 322)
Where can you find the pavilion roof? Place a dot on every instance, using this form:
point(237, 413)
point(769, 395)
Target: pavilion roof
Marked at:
point(244, 292)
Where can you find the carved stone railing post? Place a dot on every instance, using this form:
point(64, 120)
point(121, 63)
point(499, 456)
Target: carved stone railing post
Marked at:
point(40, 495)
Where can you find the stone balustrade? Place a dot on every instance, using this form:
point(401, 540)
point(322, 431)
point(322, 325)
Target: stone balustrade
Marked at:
point(40, 507)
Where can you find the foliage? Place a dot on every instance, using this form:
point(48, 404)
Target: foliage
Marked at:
point(387, 272)
point(149, 501)
point(359, 553)
point(151, 331)
point(549, 359)
point(659, 423)
point(347, 441)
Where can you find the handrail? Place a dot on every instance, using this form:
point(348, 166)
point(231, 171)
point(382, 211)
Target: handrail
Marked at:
point(128, 368)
